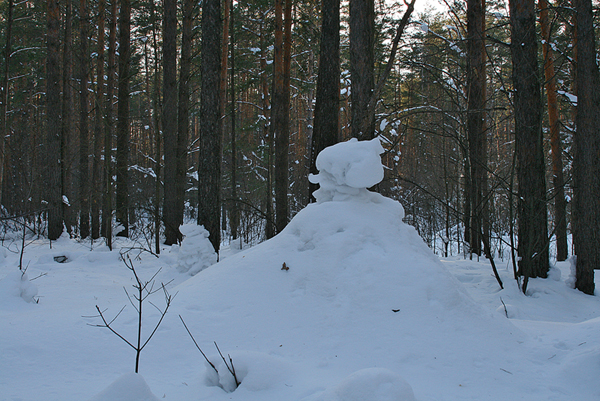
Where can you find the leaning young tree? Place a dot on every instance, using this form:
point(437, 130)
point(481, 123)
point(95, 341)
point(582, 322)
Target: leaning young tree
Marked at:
point(533, 231)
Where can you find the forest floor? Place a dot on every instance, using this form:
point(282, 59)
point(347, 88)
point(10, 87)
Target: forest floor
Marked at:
point(362, 310)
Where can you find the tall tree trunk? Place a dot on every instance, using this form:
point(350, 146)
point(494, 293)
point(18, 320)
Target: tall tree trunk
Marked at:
point(169, 122)
point(280, 110)
point(234, 219)
point(109, 128)
point(84, 196)
point(326, 128)
point(183, 122)
point(586, 163)
point(98, 125)
point(362, 62)
point(52, 152)
point(560, 204)
point(476, 121)
point(4, 93)
point(533, 231)
point(122, 198)
point(67, 112)
point(209, 167)
point(265, 105)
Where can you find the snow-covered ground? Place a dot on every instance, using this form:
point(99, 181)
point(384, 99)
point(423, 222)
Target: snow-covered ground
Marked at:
point(346, 304)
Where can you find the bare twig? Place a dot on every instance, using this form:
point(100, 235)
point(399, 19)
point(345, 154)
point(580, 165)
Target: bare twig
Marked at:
point(197, 346)
point(232, 368)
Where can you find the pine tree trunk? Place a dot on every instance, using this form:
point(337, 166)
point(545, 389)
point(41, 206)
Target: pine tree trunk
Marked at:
point(476, 121)
point(586, 163)
point(533, 231)
point(270, 220)
point(234, 220)
point(327, 108)
point(52, 150)
point(84, 196)
point(4, 93)
point(280, 111)
point(183, 123)
point(560, 204)
point(67, 113)
point(98, 126)
point(122, 196)
point(109, 128)
point(362, 59)
point(209, 167)
point(169, 122)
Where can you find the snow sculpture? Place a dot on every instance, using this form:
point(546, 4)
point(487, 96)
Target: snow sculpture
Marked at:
point(347, 169)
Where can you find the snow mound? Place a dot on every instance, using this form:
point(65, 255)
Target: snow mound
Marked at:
point(346, 169)
point(346, 285)
point(372, 384)
point(196, 252)
point(16, 284)
point(129, 387)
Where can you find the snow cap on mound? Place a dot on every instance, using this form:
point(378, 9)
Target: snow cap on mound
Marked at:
point(346, 169)
point(129, 387)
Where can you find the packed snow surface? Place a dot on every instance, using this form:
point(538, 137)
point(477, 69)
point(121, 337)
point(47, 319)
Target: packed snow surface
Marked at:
point(347, 303)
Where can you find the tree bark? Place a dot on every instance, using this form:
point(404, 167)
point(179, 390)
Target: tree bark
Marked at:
point(558, 182)
point(586, 163)
point(209, 167)
point(169, 123)
point(234, 218)
point(327, 108)
point(533, 231)
point(67, 112)
point(362, 63)
point(109, 128)
point(52, 151)
point(280, 105)
point(98, 125)
point(122, 198)
point(476, 122)
point(4, 93)
point(183, 122)
point(84, 196)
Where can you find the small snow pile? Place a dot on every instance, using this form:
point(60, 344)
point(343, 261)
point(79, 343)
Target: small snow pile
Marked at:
point(373, 384)
point(129, 387)
point(17, 284)
point(255, 371)
point(347, 169)
point(196, 252)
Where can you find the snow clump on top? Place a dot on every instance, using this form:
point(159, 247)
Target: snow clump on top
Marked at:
point(347, 169)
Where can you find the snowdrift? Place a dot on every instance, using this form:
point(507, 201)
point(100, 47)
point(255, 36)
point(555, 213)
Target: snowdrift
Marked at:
point(347, 286)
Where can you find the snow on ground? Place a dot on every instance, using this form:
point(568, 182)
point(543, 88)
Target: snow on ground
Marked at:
point(346, 304)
